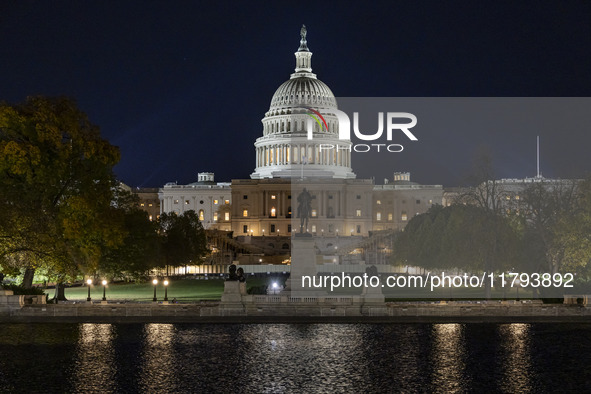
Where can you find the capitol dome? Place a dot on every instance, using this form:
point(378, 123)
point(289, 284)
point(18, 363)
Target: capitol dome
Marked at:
point(303, 91)
point(302, 107)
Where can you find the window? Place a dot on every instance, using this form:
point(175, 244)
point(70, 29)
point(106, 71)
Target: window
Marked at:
point(313, 228)
point(245, 197)
point(142, 204)
point(358, 229)
point(226, 216)
point(187, 202)
point(150, 217)
point(358, 196)
point(418, 201)
point(245, 229)
point(289, 211)
point(150, 204)
point(272, 228)
point(200, 202)
point(176, 201)
point(273, 197)
point(517, 197)
point(215, 202)
point(378, 216)
point(285, 246)
point(390, 217)
point(404, 217)
point(330, 228)
point(201, 214)
point(245, 213)
point(314, 213)
point(226, 202)
point(273, 212)
point(289, 228)
point(289, 196)
point(430, 202)
point(379, 202)
point(215, 217)
point(358, 213)
point(330, 196)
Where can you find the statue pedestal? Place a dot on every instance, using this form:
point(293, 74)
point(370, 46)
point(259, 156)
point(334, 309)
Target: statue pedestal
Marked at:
point(303, 263)
point(232, 298)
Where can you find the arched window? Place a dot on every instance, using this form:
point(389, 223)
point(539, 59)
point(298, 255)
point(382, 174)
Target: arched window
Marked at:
point(273, 212)
point(201, 215)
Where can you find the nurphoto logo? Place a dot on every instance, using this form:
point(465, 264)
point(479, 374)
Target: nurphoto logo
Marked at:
point(391, 119)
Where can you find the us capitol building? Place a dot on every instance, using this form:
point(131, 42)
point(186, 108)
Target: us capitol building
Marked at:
point(259, 215)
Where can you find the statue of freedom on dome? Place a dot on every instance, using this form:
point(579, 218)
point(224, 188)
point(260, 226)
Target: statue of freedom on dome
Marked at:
point(303, 32)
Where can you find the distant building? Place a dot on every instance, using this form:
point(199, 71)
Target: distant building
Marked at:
point(210, 200)
point(148, 201)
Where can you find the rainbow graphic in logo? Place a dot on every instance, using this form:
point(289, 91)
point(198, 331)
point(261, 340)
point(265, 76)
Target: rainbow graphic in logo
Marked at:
point(313, 114)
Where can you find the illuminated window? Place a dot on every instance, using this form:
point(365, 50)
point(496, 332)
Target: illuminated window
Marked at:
point(142, 204)
point(273, 197)
point(187, 202)
point(215, 217)
point(150, 204)
point(430, 201)
point(358, 213)
point(176, 201)
point(404, 217)
point(157, 217)
point(215, 202)
point(226, 216)
point(378, 216)
point(313, 213)
point(390, 217)
point(273, 212)
point(313, 228)
point(508, 197)
point(245, 213)
point(517, 197)
point(379, 202)
point(150, 217)
point(226, 202)
point(201, 214)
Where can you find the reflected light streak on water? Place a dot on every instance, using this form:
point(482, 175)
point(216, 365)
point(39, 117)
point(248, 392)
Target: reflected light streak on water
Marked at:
point(94, 365)
point(516, 358)
point(448, 358)
point(158, 371)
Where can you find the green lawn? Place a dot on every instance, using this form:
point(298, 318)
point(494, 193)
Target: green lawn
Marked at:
point(196, 290)
point(181, 289)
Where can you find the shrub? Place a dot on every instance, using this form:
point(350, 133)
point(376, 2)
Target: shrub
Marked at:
point(19, 290)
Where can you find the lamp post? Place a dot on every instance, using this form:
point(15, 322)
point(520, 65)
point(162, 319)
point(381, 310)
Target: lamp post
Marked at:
point(104, 290)
point(88, 282)
point(155, 282)
point(165, 290)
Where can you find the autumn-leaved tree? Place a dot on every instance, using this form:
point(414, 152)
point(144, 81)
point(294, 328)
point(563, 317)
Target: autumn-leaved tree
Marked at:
point(56, 188)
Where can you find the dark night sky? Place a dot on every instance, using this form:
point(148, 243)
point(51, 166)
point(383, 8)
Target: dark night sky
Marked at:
point(181, 86)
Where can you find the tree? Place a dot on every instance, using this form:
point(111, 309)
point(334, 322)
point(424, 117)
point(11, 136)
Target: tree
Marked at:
point(184, 239)
point(557, 222)
point(140, 250)
point(460, 236)
point(56, 188)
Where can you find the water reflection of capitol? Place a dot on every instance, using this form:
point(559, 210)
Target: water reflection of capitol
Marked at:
point(286, 162)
